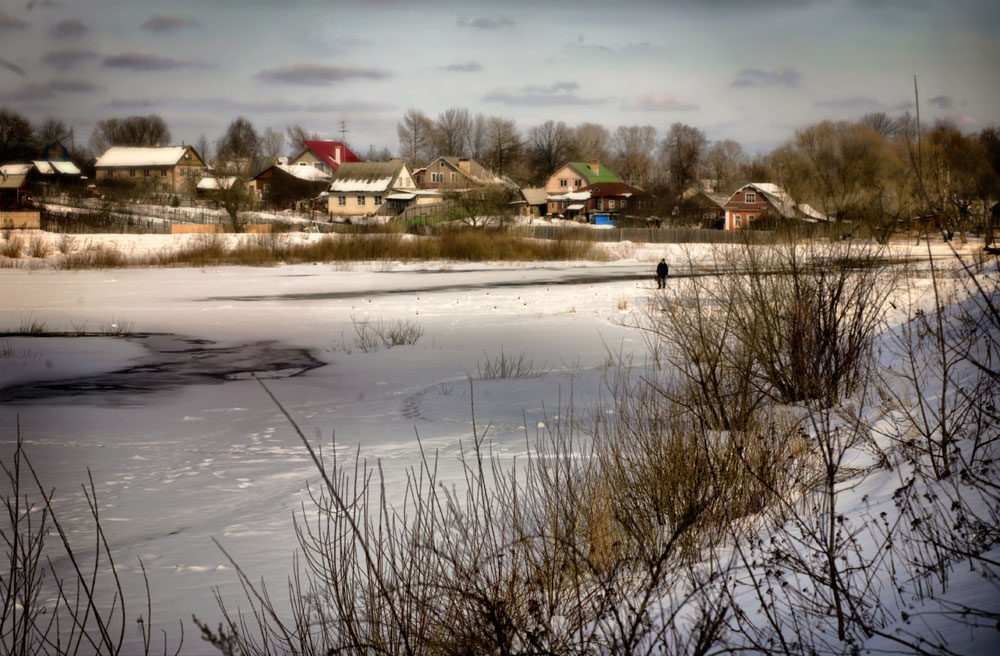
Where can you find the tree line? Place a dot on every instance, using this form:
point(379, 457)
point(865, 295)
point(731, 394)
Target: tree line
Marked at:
point(880, 168)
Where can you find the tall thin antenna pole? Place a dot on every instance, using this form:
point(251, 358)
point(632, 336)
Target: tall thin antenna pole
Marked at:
point(343, 131)
point(920, 167)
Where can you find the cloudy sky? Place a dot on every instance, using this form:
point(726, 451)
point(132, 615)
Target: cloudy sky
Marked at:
point(750, 70)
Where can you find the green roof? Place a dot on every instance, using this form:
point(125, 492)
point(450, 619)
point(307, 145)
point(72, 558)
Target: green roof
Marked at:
point(602, 175)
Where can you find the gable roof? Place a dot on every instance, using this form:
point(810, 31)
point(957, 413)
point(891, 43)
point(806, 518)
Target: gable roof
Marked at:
point(137, 157)
point(612, 189)
point(780, 200)
point(365, 176)
point(476, 170)
point(326, 151)
point(603, 174)
point(53, 167)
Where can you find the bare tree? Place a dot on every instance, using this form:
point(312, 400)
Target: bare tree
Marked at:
point(204, 147)
point(236, 151)
point(415, 133)
point(634, 147)
point(451, 132)
point(16, 142)
point(297, 136)
point(681, 155)
point(140, 131)
point(503, 144)
point(376, 154)
point(881, 123)
point(52, 131)
point(271, 142)
point(549, 145)
point(591, 141)
point(477, 137)
point(724, 162)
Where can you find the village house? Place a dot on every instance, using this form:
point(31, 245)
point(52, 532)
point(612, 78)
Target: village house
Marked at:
point(15, 184)
point(576, 175)
point(282, 186)
point(453, 172)
point(362, 188)
point(701, 207)
point(326, 156)
point(763, 199)
point(171, 169)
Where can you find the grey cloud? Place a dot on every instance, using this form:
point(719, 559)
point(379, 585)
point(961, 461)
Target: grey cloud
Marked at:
point(552, 88)
point(942, 102)
point(660, 103)
point(168, 23)
point(9, 22)
point(73, 86)
point(560, 93)
point(67, 59)
point(854, 102)
point(629, 48)
point(34, 92)
point(147, 62)
point(326, 108)
point(129, 104)
point(10, 66)
point(317, 74)
point(753, 77)
point(486, 23)
point(69, 28)
point(469, 67)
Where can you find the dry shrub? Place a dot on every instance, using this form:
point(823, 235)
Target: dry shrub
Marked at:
point(38, 245)
point(204, 250)
point(66, 243)
point(12, 246)
point(100, 256)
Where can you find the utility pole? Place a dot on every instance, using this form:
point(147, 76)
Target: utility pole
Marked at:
point(343, 131)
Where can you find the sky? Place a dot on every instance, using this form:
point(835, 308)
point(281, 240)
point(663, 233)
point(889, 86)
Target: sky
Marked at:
point(750, 70)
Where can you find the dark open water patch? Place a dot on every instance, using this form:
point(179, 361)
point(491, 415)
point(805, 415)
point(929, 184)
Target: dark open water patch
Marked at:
point(173, 362)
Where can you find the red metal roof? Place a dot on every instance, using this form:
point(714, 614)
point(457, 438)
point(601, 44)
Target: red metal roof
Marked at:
point(326, 150)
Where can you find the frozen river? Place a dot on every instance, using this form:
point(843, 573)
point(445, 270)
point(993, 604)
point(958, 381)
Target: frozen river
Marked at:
point(184, 447)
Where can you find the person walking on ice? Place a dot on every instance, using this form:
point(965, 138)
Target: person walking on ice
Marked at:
point(661, 274)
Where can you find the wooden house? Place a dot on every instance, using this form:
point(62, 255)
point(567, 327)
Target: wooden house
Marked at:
point(169, 169)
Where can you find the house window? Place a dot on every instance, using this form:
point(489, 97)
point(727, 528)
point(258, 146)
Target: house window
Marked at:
point(611, 203)
point(145, 173)
point(131, 173)
point(163, 173)
point(341, 200)
point(361, 201)
point(600, 203)
point(751, 197)
point(454, 177)
point(737, 221)
point(563, 182)
point(437, 177)
point(266, 188)
point(622, 204)
point(577, 182)
point(378, 200)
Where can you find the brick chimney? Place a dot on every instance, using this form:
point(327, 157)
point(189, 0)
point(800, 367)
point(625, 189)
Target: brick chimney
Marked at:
point(595, 167)
point(464, 166)
point(336, 154)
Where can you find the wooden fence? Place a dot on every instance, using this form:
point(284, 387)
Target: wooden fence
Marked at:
point(24, 220)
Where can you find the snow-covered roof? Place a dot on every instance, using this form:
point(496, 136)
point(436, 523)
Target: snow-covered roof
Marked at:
point(212, 183)
point(401, 196)
point(361, 177)
point(137, 157)
point(50, 167)
point(378, 184)
point(309, 173)
point(15, 169)
point(577, 206)
point(572, 195)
